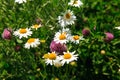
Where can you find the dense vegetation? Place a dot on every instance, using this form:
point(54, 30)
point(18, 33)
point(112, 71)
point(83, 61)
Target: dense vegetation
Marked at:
point(98, 59)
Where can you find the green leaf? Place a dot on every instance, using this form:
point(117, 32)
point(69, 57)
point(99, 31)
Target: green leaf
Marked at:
point(2, 64)
point(19, 41)
point(116, 42)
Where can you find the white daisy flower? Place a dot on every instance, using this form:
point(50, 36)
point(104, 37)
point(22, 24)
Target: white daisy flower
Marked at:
point(68, 57)
point(61, 37)
point(117, 27)
point(20, 1)
point(51, 58)
point(23, 32)
point(36, 26)
point(32, 42)
point(67, 18)
point(76, 38)
point(75, 3)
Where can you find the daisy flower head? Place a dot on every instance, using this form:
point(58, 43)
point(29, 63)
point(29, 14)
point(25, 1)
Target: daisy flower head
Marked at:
point(75, 3)
point(20, 1)
point(68, 57)
point(36, 26)
point(51, 58)
point(76, 38)
point(67, 18)
point(61, 37)
point(23, 32)
point(32, 42)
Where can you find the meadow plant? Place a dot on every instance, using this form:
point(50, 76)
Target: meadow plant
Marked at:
point(60, 40)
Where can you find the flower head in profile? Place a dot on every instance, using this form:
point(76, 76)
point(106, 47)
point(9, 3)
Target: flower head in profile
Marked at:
point(67, 18)
point(36, 26)
point(75, 3)
point(32, 42)
point(109, 37)
point(7, 34)
point(58, 47)
point(20, 1)
point(51, 58)
point(23, 32)
point(68, 57)
point(76, 38)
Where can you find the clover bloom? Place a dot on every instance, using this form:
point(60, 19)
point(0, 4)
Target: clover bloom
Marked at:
point(58, 47)
point(85, 31)
point(7, 34)
point(109, 37)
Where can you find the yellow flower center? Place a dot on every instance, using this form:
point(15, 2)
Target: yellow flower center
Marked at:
point(67, 16)
point(62, 36)
point(52, 56)
point(31, 40)
point(22, 31)
point(67, 56)
point(76, 37)
point(36, 26)
point(75, 2)
point(46, 56)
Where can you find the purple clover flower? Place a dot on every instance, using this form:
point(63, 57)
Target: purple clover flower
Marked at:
point(85, 31)
point(7, 34)
point(109, 37)
point(58, 47)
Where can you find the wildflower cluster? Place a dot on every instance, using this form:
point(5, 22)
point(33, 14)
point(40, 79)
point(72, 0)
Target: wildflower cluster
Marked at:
point(77, 39)
point(26, 33)
point(59, 53)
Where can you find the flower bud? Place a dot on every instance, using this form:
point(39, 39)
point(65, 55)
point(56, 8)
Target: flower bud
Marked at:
point(85, 31)
point(109, 37)
point(94, 28)
point(73, 63)
point(17, 48)
point(102, 52)
point(56, 78)
point(38, 69)
point(85, 19)
point(7, 34)
point(38, 21)
point(58, 47)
